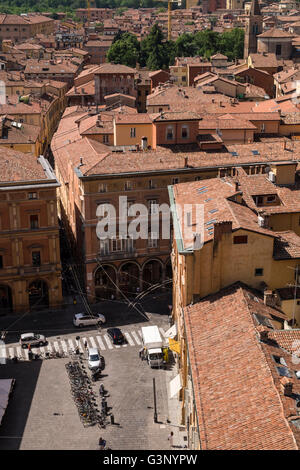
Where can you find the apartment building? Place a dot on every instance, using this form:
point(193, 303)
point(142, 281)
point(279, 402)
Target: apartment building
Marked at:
point(30, 269)
point(94, 172)
point(23, 27)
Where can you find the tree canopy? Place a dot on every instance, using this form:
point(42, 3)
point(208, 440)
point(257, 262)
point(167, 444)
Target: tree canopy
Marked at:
point(154, 52)
point(23, 6)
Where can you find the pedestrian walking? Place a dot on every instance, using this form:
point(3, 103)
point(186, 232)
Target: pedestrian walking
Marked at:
point(170, 438)
point(85, 345)
point(29, 347)
point(102, 443)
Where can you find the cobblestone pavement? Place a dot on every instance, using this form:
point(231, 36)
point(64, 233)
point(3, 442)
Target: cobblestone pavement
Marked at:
point(42, 414)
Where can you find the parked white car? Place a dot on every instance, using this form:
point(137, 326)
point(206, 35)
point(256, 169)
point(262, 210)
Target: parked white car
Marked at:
point(32, 339)
point(83, 319)
point(94, 358)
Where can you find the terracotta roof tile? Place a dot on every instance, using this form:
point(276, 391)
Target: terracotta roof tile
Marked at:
point(237, 388)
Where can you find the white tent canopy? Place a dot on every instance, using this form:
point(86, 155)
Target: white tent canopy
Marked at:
point(175, 385)
point(171, 332)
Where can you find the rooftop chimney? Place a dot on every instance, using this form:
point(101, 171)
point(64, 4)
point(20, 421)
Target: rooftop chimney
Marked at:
point(269, 298)
point(286, 386)
point(186, 159)
point(263, 333)
point(221, 228)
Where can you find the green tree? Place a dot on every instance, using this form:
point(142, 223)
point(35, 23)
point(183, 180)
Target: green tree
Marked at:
point(124, 51)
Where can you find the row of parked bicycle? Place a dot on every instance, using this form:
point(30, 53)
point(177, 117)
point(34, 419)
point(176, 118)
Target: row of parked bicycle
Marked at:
point(84, 397)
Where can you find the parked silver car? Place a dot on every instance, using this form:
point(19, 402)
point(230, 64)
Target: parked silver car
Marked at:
point(33, 339)
point(83, 319)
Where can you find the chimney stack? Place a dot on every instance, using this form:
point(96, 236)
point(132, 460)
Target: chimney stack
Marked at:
point(286, 386)
point(186, 159)
point(221, 228)
point(263, 333)
point(269, 298)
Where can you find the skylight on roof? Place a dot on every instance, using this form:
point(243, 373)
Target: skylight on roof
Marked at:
point(261, 320)
point(255, 152)
point(279, 360)
point(209, 222)
point(284, 372)
point(234, 154)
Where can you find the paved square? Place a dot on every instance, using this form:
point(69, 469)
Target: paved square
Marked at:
point(42, 414)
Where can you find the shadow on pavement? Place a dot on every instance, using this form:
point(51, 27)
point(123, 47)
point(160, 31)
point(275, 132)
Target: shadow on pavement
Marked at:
point(14, 421)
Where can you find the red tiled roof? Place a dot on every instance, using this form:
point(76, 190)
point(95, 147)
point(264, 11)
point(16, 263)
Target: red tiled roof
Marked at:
point(18, 166)
point(237, 389)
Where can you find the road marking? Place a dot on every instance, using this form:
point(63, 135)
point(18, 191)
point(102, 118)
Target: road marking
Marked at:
point(81, 349)
point(135, 336)
point(26, 354)
point(117, 345)
point(64, 346)
point(101, 344)
point(71, 345)
point(93, 343)
point(128, 337)
point(43, 350)
point(140, 334)
point(2, 353)
point(85, 340)
point(49, 347)
point(19, 351)
point(108, 342)
point(55, 346)
point(11, 352)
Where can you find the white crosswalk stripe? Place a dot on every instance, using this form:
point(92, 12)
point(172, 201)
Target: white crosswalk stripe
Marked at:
point(129, 339)
point(140, 334)
point(93, 343)
point(135, 336)
point(43, 350)
point(49, 347)
point(84, 340)
point(26, 354)
point(55, 346)
point(19, 351)
point(11, 352)
point(2, 353)
point(71, 345)
point(81, 348)
point(64, 346)
point(100, 342)
point(108, 342)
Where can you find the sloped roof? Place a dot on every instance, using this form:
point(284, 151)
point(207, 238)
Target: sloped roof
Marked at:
point(237, 387)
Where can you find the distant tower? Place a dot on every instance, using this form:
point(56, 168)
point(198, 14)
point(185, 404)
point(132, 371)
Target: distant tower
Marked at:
point(253, 28)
